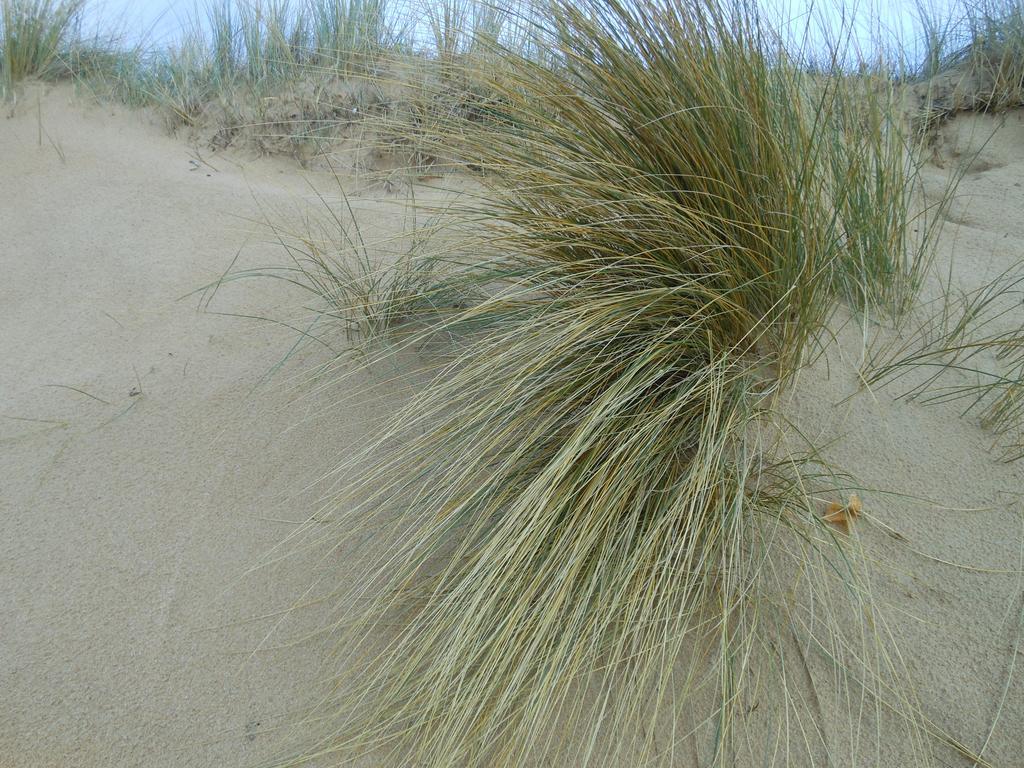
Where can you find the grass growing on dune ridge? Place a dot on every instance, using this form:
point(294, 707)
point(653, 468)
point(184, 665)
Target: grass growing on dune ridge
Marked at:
point(300, 76)
point(236, 58)
point(277, 74)
point(32, 35)
point(274, 75)
point(590, 546)
point(973, 57)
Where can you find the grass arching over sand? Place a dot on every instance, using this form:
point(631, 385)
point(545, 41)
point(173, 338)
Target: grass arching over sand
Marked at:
point(592, 545)
point(599, 529)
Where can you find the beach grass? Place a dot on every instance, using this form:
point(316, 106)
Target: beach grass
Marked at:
point(275, 74)
point(579, 506)
point(594, 532)
point(974, 58)
point(33, 33)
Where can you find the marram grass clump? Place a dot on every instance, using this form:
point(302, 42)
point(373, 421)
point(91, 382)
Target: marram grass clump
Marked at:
point(33, 34)
point(582, 525)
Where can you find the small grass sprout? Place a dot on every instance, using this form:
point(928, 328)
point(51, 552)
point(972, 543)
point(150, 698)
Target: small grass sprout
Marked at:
point(968, 350)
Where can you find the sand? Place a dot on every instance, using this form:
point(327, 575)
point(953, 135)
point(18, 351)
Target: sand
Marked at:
point(146, 464)
point(141, 472)
point(947, 528)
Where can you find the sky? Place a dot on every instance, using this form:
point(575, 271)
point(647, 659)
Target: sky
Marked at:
point(156, 20)
point(161, 21)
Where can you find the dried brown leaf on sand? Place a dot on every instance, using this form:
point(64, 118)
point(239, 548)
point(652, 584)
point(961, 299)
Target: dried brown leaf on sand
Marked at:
point(842, 515)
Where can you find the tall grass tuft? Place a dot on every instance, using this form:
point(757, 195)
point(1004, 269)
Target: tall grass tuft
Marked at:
point(33, 34)
point(577, 513)
point(888, 224)
point(348, 34)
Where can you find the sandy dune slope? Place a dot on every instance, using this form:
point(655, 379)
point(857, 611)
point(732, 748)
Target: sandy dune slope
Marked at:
point(140, 474)
point(145, 464)
point(948, 571)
